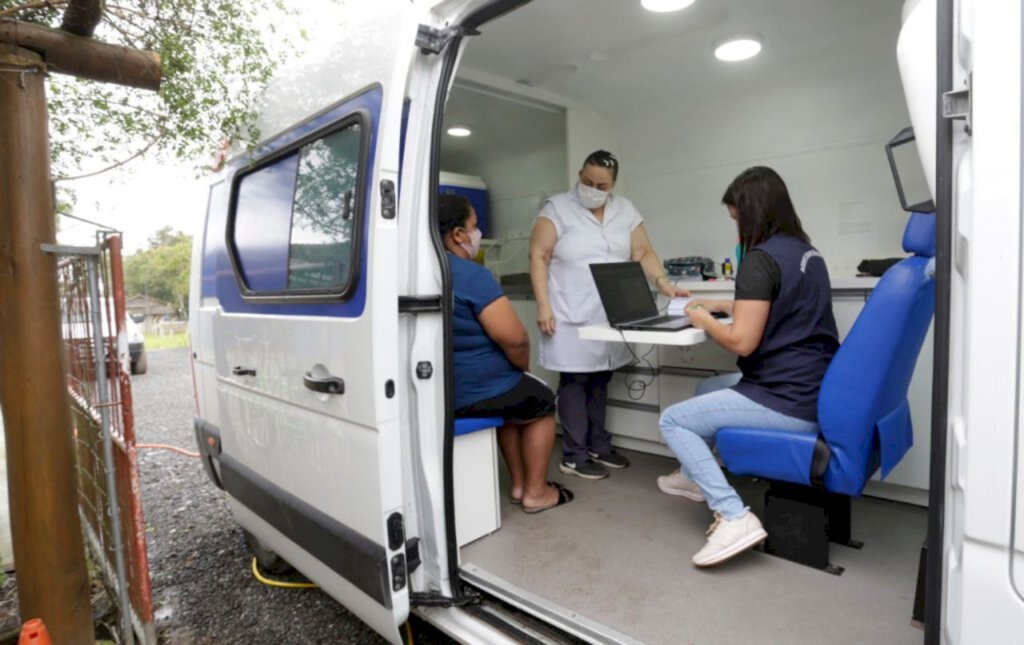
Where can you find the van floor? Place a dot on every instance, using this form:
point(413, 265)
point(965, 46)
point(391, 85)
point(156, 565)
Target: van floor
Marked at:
point(620, 552)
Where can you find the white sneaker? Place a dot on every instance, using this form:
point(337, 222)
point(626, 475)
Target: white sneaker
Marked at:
point(679, 484)
point(727, 538)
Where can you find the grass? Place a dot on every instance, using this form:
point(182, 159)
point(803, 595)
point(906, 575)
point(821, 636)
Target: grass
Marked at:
point(169, 341)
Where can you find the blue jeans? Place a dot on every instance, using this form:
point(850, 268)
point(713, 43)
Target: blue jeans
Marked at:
point(689, 430)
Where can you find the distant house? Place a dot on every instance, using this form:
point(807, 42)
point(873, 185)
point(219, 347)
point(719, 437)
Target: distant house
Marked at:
point(145, 309)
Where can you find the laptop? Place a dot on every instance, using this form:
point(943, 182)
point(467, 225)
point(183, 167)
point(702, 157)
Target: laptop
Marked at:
point(627, 299)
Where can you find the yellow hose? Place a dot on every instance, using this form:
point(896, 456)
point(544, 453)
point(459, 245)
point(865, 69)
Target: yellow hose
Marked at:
point(278, 583)
point(308, 585)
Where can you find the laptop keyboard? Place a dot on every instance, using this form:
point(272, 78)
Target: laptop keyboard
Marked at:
point(660, 319)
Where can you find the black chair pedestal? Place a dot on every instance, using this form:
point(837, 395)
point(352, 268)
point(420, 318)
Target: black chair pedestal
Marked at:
point(802, 521)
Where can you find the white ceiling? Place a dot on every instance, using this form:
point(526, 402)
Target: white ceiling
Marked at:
point(500, 127)
point(608, 54)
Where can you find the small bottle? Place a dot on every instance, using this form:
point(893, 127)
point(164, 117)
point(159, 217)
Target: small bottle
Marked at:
point(727, 269)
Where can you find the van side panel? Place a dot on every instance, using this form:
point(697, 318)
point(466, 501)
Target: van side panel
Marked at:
point(306, 468)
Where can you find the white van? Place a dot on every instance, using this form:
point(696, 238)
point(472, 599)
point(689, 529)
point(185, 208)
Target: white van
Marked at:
point(321, 299)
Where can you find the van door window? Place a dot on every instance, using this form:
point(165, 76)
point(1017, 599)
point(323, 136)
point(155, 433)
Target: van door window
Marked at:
point(320, 252)
point(294, 230)
point(262, 219)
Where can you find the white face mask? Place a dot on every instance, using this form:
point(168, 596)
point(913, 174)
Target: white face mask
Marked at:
point(590, 197)
point(474, 243)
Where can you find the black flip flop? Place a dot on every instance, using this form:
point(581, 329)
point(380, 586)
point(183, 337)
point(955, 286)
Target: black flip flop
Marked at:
point(518, 501)
point(564, 497)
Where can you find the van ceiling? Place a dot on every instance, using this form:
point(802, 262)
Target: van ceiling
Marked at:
point(501, 126)
point(608, 54)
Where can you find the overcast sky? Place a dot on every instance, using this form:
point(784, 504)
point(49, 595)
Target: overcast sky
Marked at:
point(138, 202)
point(149, 194)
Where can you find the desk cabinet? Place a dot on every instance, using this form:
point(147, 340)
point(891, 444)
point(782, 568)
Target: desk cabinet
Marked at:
point(677, 384)
point(709, 356)
point(633, 421)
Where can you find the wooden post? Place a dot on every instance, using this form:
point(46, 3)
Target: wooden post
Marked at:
point(53, 583)
point(85, 57)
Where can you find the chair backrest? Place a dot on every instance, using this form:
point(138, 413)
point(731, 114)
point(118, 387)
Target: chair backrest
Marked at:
point(862, 406)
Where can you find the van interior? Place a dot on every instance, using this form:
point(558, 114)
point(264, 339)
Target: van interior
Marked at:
point(546, 84)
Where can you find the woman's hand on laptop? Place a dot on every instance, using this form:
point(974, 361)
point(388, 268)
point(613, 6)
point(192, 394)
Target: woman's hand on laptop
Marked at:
point(714, 306)
point(699, 312)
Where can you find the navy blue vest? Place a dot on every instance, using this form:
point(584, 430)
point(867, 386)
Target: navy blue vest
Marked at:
point(784, 373)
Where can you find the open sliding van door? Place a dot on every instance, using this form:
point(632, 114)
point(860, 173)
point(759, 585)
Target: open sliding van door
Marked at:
point(968, 122)
point(297, 354)
point(984, 558)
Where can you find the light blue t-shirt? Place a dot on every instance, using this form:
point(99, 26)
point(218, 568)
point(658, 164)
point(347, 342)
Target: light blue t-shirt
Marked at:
point(482, 371)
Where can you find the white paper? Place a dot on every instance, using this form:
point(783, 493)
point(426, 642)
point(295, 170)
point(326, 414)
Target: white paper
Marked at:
point(677, 306)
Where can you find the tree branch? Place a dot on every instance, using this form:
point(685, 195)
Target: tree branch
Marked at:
point(40, 4)
point(117, 164)
point(81, 17)
point(128, 37)
point(139, 108)
point(115, 8)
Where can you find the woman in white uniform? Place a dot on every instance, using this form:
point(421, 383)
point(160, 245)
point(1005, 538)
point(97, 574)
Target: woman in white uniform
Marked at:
point(584, 226)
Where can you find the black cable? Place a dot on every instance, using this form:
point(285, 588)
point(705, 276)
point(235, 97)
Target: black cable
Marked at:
point(637, 386)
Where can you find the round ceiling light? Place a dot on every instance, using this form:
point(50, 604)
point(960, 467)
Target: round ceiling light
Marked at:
point(738, 48)
point(665, 6)
point(459, 131)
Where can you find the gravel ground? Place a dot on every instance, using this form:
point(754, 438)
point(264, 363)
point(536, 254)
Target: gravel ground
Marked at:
point(203, 589)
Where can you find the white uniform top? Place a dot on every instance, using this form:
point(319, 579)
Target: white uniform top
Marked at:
point(582, 241)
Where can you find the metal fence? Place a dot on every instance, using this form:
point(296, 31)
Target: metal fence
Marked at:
point(97, 364)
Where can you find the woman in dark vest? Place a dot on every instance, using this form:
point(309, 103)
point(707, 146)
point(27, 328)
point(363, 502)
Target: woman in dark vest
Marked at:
point(785, 335)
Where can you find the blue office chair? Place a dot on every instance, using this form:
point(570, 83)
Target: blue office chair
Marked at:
point(862, 410)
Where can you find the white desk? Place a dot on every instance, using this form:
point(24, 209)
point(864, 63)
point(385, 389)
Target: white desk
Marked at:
point(688, 336)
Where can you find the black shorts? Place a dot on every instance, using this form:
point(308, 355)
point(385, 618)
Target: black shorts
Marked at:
point(530, 399)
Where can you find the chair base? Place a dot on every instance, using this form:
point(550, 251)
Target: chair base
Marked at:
point(802, 521)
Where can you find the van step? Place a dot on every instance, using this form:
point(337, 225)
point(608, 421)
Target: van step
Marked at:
point(545, 616)
point(518, 625)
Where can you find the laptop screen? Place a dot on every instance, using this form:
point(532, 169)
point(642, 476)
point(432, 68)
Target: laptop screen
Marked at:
point(624, 292)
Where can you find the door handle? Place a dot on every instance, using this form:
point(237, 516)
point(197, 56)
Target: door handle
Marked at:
point(325, 385)
point(238, 370)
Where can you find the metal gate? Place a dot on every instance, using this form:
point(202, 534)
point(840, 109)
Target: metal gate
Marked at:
point(97, 363)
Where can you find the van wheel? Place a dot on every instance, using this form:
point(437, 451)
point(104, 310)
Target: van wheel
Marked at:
point(140, 365)
point(269, 561)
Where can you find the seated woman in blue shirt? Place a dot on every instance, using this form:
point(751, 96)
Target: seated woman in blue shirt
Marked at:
point(785, 334)
point(492, 355)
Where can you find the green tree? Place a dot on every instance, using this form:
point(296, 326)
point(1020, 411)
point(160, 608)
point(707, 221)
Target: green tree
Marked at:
point(162, 270)
point(215, 60)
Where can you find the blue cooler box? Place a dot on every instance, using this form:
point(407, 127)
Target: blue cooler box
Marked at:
point(472, 188)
